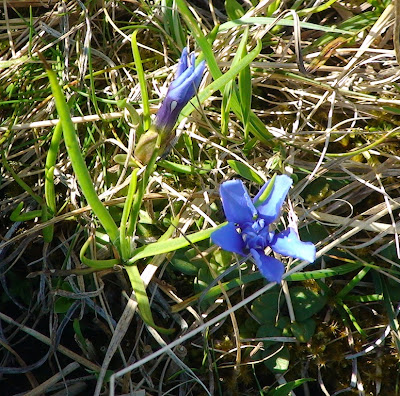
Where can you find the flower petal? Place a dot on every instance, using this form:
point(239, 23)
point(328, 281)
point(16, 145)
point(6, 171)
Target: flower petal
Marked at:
point(237, 204)
point(179, 81)
point(269, 209)
point(270, 267)
point(198, 74)
point(185, 86)
point(179, 94)
point(288, 243)
point(229, 239)
point(183, 63)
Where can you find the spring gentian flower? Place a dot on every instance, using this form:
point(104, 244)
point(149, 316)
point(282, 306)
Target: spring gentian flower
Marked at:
point(181, 90)
point(248, 228)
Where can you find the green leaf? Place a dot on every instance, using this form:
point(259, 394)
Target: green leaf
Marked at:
point(266, 192)
point(19, 180)
point(273, 7)
point(268, 330)
point(286, 389)
point(271, 299)
point(171, 244)
point(142, 80)
point(97, 264)
point(233, 9)
point(324, 273)
point(16, 214)
point(62, 305)
point(181, 168)
point(75, 155)
point(353, 283)
point(222, 259)
point(13, 62)
point(306, 302)
point(391, 311)
point(282, 22)
point(172, 23)
point(246, 172)
point(184, 266)
point(279, 362)
point(142, 299)
point(135, 118)
point(304, 330)
point(245, 87)
point(226, 107)
point(313, 10)
point(391, 109)
point(352, 26)
point(125, 238)
point(121, 159)
point(78, 333)
point(137, 202)
point(352, 318)
point(49, 189)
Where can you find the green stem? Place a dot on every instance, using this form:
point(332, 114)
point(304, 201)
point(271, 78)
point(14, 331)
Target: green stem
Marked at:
point(49, 190)
point(137, 203)
point(124, 238)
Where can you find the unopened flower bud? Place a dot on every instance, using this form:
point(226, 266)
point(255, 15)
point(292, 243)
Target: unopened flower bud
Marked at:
point(180, 92)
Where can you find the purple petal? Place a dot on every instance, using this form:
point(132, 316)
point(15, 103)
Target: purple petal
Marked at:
point(183, 63)
point(185, 86)
point(237, 204)
point(179, 94)
point(198, 74)
point(182, 78)
point(288, 243)
point(229, 239)
point(192, 58)
point(269, 209)
point(270, 267)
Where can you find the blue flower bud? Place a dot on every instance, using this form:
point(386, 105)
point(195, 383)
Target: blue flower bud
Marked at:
point(181, 90)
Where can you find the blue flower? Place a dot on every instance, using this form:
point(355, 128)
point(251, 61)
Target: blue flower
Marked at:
point(248, 230)
point(181, 90)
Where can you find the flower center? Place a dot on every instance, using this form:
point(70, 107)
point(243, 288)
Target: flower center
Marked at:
point(256, 235)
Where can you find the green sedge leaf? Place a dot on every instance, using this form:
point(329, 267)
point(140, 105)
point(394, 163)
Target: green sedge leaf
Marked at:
point(233, 9)
point(266, 192)
point(171, 244)
point(142, 299)
point(246, 172)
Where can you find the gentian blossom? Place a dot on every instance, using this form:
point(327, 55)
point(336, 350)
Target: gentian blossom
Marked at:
point(248, 228)
point(180, 92)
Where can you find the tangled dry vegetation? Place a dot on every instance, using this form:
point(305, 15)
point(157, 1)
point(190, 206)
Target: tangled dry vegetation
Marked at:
point(330, 103)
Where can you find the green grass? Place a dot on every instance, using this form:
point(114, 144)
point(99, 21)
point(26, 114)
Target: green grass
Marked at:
point(110, 265)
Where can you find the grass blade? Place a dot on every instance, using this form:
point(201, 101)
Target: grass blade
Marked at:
point(78, 163)
point(171, 244)
point(142, 80)
point(142, 299)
